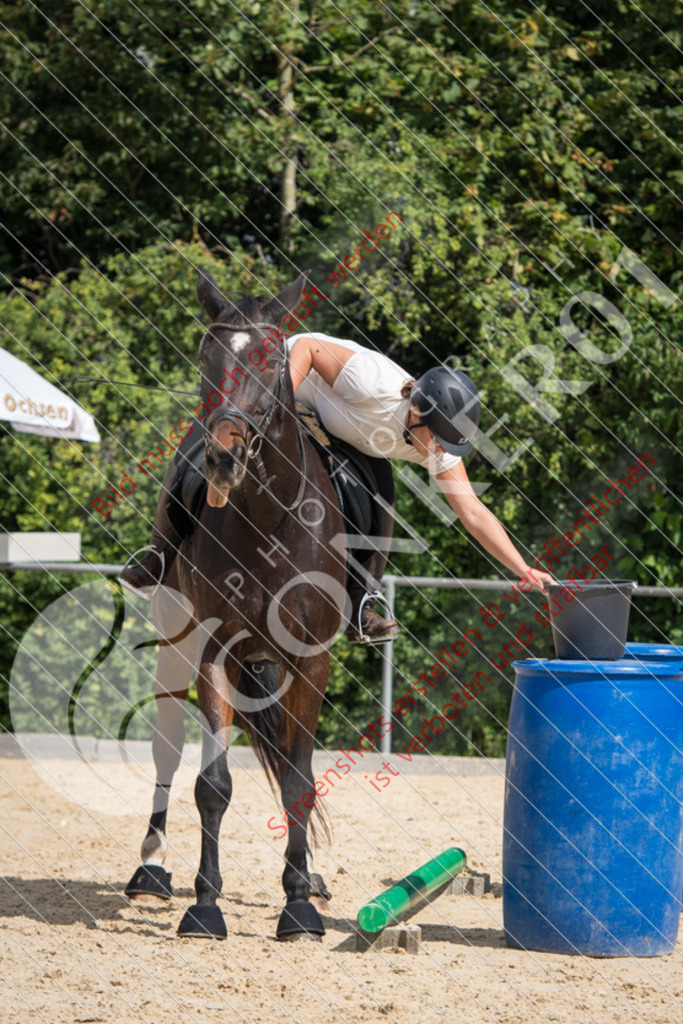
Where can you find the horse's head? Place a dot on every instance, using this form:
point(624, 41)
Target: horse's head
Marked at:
point(244, 378)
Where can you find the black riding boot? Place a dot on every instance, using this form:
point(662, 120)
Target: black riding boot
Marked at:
point(366, 625)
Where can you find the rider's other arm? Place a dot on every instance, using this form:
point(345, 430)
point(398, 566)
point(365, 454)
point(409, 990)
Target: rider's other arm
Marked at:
point(324, 357)
point(481, 524)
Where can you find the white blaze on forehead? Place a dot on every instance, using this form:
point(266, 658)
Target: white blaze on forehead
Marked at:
point(240, 341)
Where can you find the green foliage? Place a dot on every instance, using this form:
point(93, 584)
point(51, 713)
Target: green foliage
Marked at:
point(136, 320)
point(509, 142)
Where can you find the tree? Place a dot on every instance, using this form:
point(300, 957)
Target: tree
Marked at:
point(521, 151)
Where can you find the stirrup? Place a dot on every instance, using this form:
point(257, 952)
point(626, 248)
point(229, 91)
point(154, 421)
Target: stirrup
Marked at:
point(373, 596)
point(136, 590)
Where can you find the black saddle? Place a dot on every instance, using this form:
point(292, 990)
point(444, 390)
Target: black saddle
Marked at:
point(350, 471)
point(358, 480)
point(353, 485)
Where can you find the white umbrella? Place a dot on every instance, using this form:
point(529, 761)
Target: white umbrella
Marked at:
point(33, 406)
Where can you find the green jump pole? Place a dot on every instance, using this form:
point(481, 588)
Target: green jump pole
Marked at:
point(389, 905)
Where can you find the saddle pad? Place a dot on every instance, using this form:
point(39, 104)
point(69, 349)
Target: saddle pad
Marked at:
point(309, 419)
point(187, 489)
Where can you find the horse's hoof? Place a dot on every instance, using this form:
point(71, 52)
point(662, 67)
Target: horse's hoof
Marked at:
point(300, 920)
point(320, 894)
point(150, 880)
point(318, 887)
point(203, 921)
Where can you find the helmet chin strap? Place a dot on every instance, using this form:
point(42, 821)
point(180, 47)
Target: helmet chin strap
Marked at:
point(407, 432)
point(433, 446)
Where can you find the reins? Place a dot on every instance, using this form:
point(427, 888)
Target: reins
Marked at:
point(132, 384)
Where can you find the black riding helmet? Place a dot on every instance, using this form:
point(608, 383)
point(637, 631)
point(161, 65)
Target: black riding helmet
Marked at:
point(449, 405)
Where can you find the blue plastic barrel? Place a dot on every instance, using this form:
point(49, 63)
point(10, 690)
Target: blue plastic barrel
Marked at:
point(593, 826)
point(662, 653)
point(671, 655)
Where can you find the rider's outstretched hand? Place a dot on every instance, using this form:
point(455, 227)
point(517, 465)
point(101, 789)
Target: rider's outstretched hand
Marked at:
point(539, 580)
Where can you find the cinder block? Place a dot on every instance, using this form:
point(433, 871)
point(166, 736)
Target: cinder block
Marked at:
point(401, 936)
point(474, 885)
point(458, 887)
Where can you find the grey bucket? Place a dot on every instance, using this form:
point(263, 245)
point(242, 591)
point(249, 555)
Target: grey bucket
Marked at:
point(592, 624)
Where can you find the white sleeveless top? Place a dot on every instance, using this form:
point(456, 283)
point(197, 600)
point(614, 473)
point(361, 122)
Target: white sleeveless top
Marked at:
point(364, 406)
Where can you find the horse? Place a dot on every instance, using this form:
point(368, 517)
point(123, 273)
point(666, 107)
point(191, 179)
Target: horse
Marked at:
point(262, 592)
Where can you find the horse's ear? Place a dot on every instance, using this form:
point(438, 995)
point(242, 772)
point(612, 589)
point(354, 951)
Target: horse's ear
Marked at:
point(283, 304)
point(210, 296)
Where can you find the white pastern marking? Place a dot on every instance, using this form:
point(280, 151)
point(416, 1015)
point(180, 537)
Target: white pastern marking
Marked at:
point(240, 341)
point(154, 849)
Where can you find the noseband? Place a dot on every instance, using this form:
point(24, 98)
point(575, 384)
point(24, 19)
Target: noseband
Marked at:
point(260, 427)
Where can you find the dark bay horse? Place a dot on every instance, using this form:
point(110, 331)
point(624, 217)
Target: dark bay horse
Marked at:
point(264, 593)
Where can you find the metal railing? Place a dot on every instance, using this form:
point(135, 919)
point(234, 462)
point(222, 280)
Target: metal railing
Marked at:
point(389, 583)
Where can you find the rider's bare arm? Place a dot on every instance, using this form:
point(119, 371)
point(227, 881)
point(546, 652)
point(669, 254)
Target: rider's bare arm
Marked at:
point(324, 357)
point(481, 524)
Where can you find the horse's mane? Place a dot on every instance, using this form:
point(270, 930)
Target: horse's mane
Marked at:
point(245, 309)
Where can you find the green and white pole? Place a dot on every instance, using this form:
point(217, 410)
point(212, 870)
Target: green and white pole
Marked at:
point(389, 905)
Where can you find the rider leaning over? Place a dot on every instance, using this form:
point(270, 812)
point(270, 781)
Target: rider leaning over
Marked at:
point(367, 400)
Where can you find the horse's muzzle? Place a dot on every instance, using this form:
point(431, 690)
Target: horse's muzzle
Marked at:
point(224, 470)
point(217, 497)
point(225, 462)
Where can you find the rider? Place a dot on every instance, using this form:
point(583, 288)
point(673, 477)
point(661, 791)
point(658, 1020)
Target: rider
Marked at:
point(365, 399)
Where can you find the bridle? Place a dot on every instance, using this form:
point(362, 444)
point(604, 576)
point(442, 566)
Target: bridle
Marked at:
point(260, 427)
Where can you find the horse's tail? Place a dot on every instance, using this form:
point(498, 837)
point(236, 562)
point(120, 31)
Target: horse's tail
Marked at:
point(263, 726)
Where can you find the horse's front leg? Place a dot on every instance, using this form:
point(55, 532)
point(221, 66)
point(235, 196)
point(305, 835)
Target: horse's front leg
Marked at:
point(213, 790)
point(175, 669)
point(299, 919)
point(167, 748)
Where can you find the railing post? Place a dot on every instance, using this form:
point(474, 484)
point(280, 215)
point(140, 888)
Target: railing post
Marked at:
point(388, 663)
